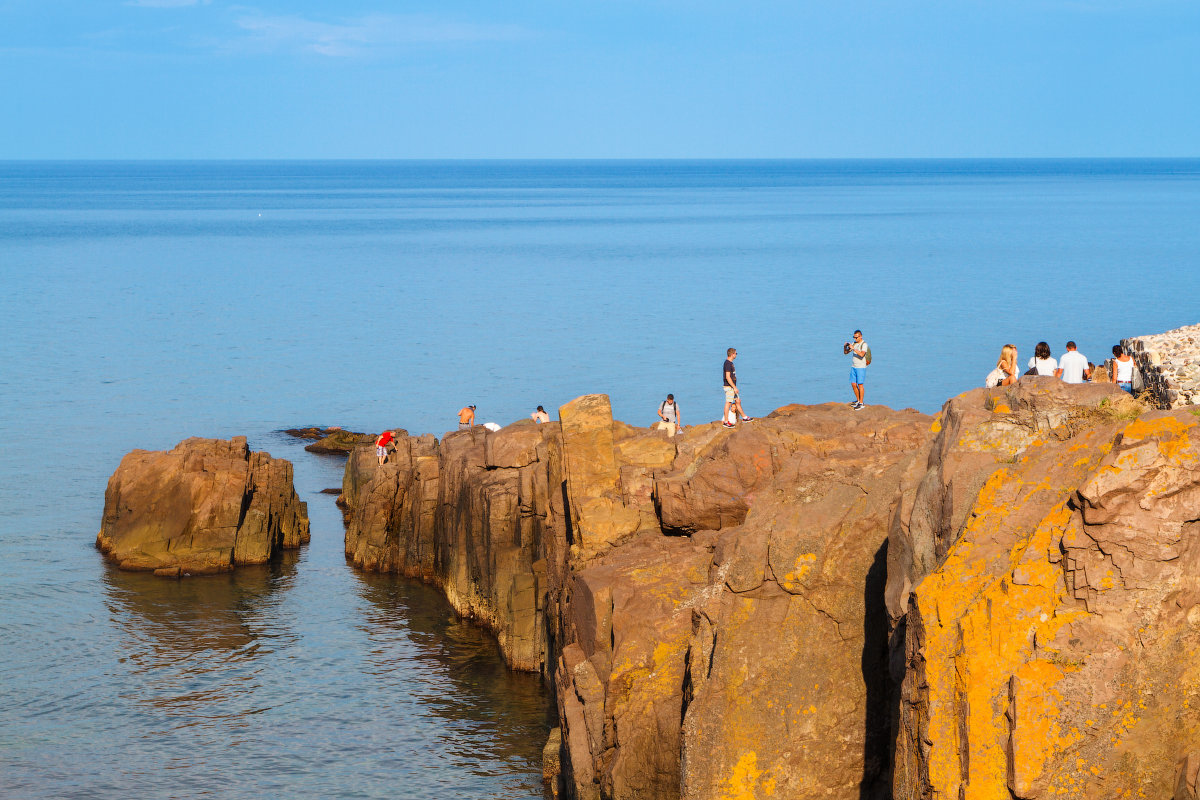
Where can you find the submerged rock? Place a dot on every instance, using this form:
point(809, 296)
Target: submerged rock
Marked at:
point(206, 506)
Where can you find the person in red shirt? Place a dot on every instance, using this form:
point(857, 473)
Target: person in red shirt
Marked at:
point(381, 445)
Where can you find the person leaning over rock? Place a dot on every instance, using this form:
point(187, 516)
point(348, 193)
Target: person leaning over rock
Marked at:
point(466, 418)
point(381, 445)
point(668, 412)
point(1073, 366)
point(540, 416)
point(860, 357)
point(733, 398)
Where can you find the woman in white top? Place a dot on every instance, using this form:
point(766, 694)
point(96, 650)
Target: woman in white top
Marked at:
point(1122, 371)
point(1042, 362)
point(1005, 373)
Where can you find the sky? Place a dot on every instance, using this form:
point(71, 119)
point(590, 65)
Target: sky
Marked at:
point(163, 79)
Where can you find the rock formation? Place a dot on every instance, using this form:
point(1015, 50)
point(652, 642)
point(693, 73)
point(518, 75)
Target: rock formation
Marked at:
point(1169, 364)
point(999, 601)
point(206, 506)
point(1047, 604)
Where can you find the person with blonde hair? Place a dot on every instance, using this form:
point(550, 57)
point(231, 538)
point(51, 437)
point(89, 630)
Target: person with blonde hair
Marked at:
point(1005, 373)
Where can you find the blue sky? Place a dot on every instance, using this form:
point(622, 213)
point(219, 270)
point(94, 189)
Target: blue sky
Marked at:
point(617, 79)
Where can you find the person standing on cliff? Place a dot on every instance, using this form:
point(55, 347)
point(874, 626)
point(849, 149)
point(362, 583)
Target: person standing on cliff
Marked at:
point(733, 398)
point(1073, 366)
point(540, 416)
point(381, 446)
point(466, 418)
point(668, 412)
point(860, 357)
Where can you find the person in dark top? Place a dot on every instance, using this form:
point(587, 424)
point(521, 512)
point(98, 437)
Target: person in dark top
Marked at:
point(733, 399)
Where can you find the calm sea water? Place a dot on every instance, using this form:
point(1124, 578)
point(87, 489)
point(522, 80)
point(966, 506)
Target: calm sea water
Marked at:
point(147, 302)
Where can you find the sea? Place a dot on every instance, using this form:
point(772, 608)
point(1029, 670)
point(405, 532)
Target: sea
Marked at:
point(146, 302)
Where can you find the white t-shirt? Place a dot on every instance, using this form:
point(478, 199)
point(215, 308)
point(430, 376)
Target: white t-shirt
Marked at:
point(856, 348)
point(1124, 370)
point(1044, 366)
point(1073, 364)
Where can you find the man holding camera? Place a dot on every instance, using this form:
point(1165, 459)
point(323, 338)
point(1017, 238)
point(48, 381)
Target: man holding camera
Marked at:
point(860, 357)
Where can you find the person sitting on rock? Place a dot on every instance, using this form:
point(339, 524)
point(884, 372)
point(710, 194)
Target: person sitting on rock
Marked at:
point(1073, 366)
point(540, 415)
point(381, 445)
point(1122, 371)
point(466, 418)
point(1042, 362)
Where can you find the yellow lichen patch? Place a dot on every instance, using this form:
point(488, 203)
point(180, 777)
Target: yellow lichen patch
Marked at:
point(1001, 408)
point(803, 565)
point(936, 427)
point(1172, 433)
point(979, 632)
point(746, 779)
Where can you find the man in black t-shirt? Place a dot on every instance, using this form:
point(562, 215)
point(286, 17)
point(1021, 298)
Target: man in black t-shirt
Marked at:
point(733, 399)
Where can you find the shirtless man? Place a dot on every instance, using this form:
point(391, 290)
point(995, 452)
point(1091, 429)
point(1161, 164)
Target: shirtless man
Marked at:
point(466, 418)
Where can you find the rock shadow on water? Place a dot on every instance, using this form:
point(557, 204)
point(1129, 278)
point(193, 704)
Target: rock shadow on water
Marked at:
point(506, 712)
point(178, 635)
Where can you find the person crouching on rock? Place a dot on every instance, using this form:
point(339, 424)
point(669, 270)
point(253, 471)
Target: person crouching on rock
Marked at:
point(540, 415)
point(381, 445)
point(466, 418)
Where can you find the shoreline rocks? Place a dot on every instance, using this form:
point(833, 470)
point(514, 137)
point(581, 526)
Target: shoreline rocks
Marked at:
point(334, 440)
point(206, 506)
point(1000, 600)
point(1170, 365)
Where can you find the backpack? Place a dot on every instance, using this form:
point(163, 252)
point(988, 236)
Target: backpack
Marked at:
point(868, 357)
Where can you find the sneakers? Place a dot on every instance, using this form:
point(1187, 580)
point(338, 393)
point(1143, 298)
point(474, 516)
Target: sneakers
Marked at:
point(728, 424)
point(857, 406)
point(747, 419)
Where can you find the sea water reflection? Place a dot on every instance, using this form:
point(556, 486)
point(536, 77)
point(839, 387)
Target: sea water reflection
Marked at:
point(298, 677)
point(406, 620)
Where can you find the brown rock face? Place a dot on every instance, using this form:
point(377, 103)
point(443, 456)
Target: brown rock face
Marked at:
point(467, 514)
point(1042, 620)
point(206, 506)
point(999, 602)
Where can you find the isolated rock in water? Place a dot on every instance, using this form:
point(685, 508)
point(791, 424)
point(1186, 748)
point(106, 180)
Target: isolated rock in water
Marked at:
point(206, 506)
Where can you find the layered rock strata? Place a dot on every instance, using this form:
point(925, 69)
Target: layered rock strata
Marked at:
point(999, 601)
point(1170, 365)
point(206, 506)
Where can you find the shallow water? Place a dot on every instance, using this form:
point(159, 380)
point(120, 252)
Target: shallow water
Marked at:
point(144, 303)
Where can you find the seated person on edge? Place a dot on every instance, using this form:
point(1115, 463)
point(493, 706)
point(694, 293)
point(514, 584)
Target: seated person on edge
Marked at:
point(1073, 366)
point(1042, 362)
point(1122, 371)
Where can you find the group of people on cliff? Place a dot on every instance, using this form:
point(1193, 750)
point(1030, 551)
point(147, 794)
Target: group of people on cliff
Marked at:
point(1071, 367)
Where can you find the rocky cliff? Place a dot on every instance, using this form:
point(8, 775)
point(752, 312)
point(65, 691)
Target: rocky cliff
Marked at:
point(1044, 586)
point(206, 506)
point(999, 601)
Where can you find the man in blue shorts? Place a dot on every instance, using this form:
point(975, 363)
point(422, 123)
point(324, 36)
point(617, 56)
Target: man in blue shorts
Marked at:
point(859, 353)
